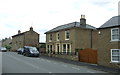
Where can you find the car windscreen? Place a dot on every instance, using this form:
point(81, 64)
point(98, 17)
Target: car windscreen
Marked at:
point(33, 49)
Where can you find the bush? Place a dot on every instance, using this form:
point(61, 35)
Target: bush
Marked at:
point(8, 47)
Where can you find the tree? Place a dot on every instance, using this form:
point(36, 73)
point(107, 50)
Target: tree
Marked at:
point(8, 47)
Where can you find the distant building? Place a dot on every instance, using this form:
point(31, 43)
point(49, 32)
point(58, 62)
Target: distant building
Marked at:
point(28, 38)
point(6, 42)
point(65, 39)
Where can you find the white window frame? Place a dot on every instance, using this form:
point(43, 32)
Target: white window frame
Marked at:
point(66, 35)
point(115, 55)
point(58, 36)
point(112, 35)
point(47, 48)
point(50, 40)
point(66, 47)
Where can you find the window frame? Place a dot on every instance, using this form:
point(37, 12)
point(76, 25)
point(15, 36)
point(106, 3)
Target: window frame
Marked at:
point(49, 48)
point(58, 36)
point(66, 35)
point(115, 34)
point(115, 55)
point(50, 37)
point(66, 48)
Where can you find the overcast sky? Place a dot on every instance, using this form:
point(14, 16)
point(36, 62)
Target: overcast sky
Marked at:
point(44, 15)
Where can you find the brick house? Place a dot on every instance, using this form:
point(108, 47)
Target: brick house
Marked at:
point(65, 39)
point(28, 38)
point(109, 43)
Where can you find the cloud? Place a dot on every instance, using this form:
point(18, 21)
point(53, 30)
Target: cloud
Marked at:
point(44, 15)
point(119, 8)
point(101, 3)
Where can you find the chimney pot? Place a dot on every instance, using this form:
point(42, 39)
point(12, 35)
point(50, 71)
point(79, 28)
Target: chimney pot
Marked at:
point(83, 21)
point(19, 31)
point(83, 16)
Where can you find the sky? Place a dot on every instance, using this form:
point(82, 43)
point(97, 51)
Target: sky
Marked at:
point(43, 15)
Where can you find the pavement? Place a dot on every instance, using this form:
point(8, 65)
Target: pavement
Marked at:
point(91, 66)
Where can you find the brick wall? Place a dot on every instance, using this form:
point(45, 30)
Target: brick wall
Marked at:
point(104, 48)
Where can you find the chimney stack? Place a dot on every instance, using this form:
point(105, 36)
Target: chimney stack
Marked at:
point(19, 31)
point(31, 28)
point(83, 20)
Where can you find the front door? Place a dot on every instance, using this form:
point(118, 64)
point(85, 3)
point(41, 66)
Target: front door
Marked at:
point(58, 48)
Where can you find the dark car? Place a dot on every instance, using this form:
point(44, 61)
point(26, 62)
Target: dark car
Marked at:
point(20, 50)
point(3, 49)
point(30, 51)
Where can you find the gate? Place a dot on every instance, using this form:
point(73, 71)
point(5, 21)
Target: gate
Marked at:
point(88, 55)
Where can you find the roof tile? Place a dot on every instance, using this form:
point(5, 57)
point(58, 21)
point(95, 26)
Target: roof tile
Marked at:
point(70, 25)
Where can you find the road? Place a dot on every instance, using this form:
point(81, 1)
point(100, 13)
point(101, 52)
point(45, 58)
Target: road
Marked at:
point(15, 63)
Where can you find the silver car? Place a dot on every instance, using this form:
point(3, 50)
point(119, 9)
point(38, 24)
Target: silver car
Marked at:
point(3, 49)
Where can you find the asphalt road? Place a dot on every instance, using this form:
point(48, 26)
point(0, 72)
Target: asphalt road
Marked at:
point(15, 63)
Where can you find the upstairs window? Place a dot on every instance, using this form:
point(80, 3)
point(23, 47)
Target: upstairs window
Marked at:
point(50, 37)
point(67, 35)
point(58, 36)
point(115, 34)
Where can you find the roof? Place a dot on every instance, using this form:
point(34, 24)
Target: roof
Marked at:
point(19, 34)
point(70, 25)
point(22, 33)
point(111, 22)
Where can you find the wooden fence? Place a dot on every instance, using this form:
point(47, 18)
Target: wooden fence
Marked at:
point(88, 55)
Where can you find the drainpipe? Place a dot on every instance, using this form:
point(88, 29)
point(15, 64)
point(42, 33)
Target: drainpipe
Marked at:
point(91, 38)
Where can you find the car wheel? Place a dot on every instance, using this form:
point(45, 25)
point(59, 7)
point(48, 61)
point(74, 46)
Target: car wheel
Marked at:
point(18, 53)
point(24, 54)
point(27, 55)
point(38, 55)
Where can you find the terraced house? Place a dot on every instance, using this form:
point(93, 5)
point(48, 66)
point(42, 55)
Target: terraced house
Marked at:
point(109, 43)
point(65, 39)
point(28, 38)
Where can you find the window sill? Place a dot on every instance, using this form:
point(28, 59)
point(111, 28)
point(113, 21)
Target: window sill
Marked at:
point(50, 41)
point(66, 39)
point(114, 40)
point(115, 62)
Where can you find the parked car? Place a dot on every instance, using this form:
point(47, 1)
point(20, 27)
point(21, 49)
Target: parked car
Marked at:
point(30, 51)
point(3, 49)
point(20, 50)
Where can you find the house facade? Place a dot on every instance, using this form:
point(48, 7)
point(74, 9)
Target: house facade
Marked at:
point(28, 38)
point(65, 39)
point(109, 43)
